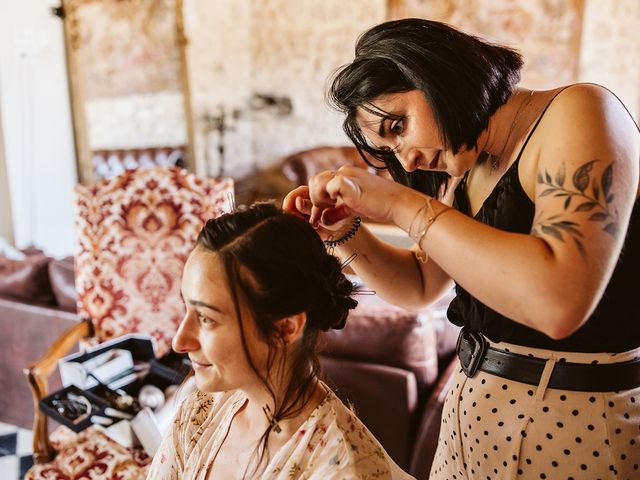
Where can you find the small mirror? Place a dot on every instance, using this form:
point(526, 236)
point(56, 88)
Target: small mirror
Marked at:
point(128, 85)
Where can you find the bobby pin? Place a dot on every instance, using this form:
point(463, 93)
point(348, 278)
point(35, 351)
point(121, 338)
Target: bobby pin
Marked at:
point(363, 291)
point(349, 259)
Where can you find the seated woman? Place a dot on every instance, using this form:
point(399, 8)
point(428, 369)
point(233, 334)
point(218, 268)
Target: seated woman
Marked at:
point(258, 288)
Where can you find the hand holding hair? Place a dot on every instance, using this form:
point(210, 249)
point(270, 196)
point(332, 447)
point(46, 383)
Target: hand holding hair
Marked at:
point(353, 191)
point(334, 220)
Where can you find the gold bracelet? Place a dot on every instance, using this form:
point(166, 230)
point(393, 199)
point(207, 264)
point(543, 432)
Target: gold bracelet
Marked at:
point(417, 215)
point(426, 221)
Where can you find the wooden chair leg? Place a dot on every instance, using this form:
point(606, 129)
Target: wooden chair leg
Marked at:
point(43, 452)
point(37, 374)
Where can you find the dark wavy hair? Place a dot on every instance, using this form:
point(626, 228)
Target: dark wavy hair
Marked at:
point(277, 266)
point(463, 78)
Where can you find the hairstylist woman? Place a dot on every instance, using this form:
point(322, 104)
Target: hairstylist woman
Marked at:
point(527, 201)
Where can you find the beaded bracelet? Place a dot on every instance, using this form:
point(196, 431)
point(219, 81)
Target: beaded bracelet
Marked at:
point(350, 233)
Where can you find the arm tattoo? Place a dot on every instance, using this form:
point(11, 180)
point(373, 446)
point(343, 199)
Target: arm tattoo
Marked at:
point(586, 193)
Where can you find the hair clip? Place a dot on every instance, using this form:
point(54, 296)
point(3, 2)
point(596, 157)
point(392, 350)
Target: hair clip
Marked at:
point(272, 421)
point(363, 291)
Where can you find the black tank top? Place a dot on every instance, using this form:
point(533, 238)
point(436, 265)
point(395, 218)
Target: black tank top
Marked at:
point(614, 326)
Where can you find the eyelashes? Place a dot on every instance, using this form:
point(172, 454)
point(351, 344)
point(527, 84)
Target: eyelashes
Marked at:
point(392, 150)
point(397, 126)
point(204, 320)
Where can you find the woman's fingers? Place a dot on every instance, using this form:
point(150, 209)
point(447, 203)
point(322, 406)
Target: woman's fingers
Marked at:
point(304, 205)
point(297, 202)
point(344, 187)
point(318, 190)
point(288, 203)
point(326, 217)
point(331, 216)
point(316, 214)
point(352, 191)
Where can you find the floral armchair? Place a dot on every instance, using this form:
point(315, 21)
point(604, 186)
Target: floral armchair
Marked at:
point(134, 233)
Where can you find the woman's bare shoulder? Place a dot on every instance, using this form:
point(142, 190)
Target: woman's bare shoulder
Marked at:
point(589, 119)
point(589, 104)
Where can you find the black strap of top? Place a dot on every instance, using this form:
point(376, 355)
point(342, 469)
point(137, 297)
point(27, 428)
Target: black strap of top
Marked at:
point(460, 198)
point(549, 104)
point(524, 145)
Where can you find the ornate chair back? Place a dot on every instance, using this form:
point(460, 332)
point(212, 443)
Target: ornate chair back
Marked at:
point(134, 233)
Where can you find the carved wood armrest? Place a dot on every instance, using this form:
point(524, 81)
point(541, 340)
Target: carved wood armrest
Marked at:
point(38, 374)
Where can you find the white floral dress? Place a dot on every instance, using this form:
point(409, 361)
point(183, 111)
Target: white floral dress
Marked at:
point(332, 444)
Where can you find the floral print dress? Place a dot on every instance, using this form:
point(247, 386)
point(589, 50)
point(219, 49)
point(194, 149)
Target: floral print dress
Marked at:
point(332, 444)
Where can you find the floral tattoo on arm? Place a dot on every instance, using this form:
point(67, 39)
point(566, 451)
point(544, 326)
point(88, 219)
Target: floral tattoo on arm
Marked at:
point(584, 193)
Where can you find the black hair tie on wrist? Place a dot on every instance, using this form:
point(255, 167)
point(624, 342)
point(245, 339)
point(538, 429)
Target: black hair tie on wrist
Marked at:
point(352, 231)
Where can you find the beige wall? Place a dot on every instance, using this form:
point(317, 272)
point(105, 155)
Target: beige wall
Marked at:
point(6, 224)
point(288, 48)
point(610, 49)
point(283, 48)
point(547, 33)
point(563, 41)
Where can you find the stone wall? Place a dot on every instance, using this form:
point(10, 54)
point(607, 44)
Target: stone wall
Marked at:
point(282, 49)
point(546, 32)
point(610, 49)
point(264, 64)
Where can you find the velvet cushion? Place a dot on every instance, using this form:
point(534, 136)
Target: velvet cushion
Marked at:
point(62, 279)
point(384, 398)
point(301, 166)
point(26, 279)
point(387, 335)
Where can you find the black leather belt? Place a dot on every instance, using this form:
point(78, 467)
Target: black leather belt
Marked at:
point(475, 354)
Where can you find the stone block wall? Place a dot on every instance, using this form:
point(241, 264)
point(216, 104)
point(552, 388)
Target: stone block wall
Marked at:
point(264, 64)
point(243, 50)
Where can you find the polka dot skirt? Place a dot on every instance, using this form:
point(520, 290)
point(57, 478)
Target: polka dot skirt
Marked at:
point(494, 428)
